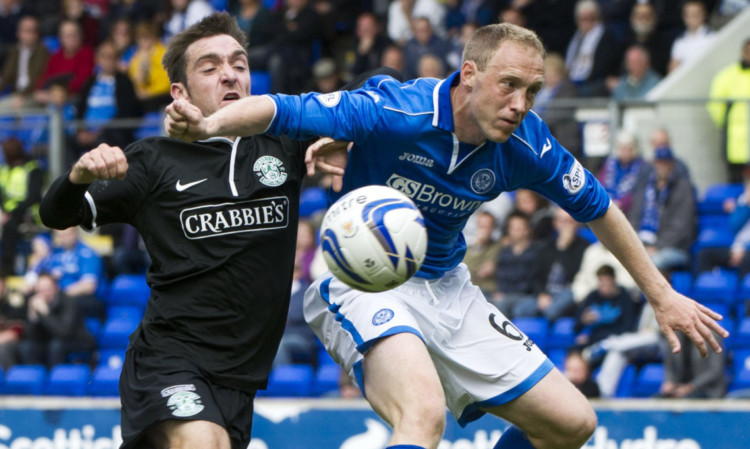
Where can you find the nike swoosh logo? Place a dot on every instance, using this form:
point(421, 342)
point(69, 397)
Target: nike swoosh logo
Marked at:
point(180, 187)
point(547, 146)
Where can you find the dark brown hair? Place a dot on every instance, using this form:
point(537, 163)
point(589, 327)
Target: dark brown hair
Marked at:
point(175, 58)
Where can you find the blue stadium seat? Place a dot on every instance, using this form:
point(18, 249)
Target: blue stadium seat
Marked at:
point(740, 379)
point(717, 285)
point(7, 129)
point(68, 380)
point(260, 82)
point(112, 358)
point(105, 382)
point(25, 380)
point(324, 358)
point(115, 333)
point(290, 381)
point(557, 356)
point(534, 328)
point(93, 325)
point(740, 360)
point(712, 238)
point(129, 290)
point(744, 292)
point(714, 196)
point(129, 312)
point(627, 382)
point(563, 334)
point(714, 221)
point(682, 281)
point(741, 336)
point(219, 5)
point(312, 200)
point(326, 379)
point(150, 126)
point(649, 380)
point(32, 130)
point(51, 42)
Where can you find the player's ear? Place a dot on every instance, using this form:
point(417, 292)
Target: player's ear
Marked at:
point(468, 73)
point(179, 91)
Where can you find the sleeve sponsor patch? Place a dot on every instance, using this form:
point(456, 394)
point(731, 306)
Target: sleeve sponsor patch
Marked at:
point(574, 179)
point(329, 100)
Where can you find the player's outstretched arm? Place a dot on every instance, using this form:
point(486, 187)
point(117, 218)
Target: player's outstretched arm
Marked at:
point(244, 117)
point(674, 312)
point(63, 204)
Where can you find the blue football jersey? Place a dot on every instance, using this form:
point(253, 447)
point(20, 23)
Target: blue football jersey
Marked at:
point(403, 138)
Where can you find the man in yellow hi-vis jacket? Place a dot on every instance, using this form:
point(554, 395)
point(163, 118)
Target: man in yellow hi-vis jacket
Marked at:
point(733, 82)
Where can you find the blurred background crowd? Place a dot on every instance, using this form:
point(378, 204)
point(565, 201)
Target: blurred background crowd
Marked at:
point(71, 299)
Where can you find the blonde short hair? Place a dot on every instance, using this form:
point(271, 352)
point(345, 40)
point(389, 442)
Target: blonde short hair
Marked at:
point(487, 39)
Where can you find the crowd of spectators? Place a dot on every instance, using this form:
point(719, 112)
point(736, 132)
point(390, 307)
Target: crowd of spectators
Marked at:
point(97, 61)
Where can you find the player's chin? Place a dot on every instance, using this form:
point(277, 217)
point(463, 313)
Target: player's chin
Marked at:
point(500, 135)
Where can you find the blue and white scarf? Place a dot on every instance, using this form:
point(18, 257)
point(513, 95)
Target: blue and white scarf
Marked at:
point(653, 203)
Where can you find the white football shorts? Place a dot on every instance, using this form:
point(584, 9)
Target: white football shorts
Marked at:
point(482, 359)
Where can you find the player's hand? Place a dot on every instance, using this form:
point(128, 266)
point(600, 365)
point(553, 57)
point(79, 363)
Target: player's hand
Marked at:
point(103, 162)
point(185, 121)
point(329, 156)
point(676, 312)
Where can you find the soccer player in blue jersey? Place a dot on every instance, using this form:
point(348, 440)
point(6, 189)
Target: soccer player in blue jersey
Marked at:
point(450, 145)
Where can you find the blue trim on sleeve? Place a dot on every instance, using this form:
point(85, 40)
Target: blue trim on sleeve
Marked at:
point(474, 411)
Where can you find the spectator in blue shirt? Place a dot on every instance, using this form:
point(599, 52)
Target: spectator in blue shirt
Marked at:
point(608, 310)
point(77, 269)
point(106, 96)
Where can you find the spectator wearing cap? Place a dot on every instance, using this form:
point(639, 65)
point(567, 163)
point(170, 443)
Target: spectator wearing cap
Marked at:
point(326, 76)
point(664, 213)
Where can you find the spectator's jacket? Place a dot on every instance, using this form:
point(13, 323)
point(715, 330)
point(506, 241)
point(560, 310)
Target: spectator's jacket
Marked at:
point(37, 65)
point(732, 82)
point(63, 322)
point(75, 69)
point(127, 103)
point(157, 82)
point(21, 188)
point(678, 216)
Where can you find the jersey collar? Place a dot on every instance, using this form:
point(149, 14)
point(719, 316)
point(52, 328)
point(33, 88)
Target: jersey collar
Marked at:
point(441, 97)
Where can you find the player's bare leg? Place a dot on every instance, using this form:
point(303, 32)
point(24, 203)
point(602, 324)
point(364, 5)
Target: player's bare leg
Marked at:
point(553, 414)
point(175, 434)
point(403, 387)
